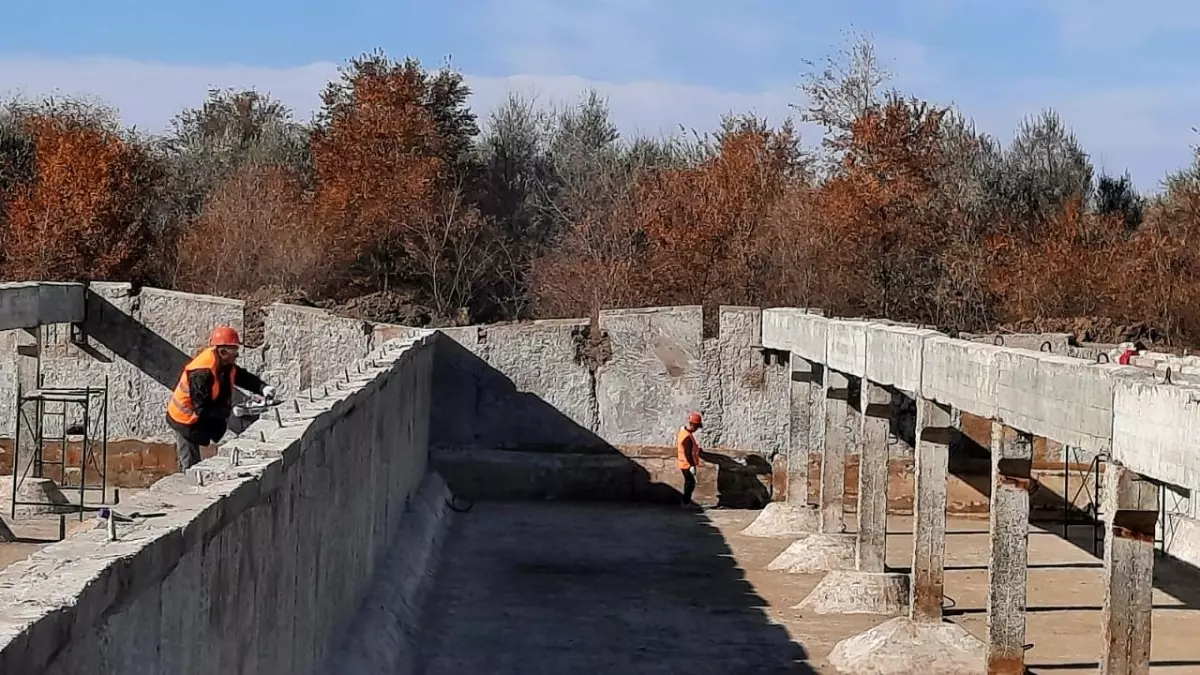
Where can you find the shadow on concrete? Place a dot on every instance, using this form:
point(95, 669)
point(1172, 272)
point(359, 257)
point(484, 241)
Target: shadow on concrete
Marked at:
point(739, 483)
point(489, 440)
point(149, 352)
point(965, 611)
point(555, 569)
point(1083, 665)
point(1032, 566)
point(528, 588)
point(127, 338)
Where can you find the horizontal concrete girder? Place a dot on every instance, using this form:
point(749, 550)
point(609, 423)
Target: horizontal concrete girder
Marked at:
point(29, 304)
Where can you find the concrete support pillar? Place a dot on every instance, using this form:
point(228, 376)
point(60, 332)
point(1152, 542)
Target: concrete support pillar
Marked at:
point(794, 516)
point(875, 404)
point(920, 642)
point(935, 434)
point(1012, 462)
point(830, 548)
point(838, 416)
point(805, 378)
point(866, 589)
point(1130, 508)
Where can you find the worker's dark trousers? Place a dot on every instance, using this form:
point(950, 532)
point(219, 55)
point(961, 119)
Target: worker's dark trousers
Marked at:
point(689, 485)
point(189, 440)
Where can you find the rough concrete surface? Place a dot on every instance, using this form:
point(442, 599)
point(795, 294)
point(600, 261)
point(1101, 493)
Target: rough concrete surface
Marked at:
point(854, 592)
point(784, 519)
point(901, 646)
point(381, 639)
point(557, 588)
point(280, 542)
point(816, 553)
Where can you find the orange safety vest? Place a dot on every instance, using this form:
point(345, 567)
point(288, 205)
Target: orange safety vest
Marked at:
point(179, 406)
point(687, 450)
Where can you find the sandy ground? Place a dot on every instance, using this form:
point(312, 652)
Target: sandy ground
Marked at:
point(550, 588)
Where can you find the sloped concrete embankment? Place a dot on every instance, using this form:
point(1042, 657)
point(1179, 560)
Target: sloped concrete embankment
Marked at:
point(261, 556)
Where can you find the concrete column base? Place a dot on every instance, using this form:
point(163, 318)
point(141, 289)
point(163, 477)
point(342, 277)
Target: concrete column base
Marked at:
point(816, 553)
point(784, 519)
point(901, 646)
point(854, 592)
point(42, 490)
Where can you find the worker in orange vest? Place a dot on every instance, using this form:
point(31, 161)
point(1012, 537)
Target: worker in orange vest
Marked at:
point(199, 408)
point(687, 455)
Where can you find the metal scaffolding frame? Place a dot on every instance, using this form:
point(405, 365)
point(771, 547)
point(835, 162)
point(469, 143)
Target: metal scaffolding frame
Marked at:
point(1091, 510)
point(34, 409)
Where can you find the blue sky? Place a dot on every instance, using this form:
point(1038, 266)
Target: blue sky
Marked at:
point(1121, 73)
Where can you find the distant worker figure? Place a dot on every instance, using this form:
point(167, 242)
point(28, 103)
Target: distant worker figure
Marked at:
point(199, 408)
point(687, 455)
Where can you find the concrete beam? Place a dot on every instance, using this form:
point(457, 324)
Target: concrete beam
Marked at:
point(1012, 462)
point(29, 304)
point(1155, 427)
point(894, 356)
point(796, 330)
point(846, 346)
point(1130, 503)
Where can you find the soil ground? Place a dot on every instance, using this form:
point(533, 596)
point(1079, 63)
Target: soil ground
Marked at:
point(36, 532)
point(556, 587)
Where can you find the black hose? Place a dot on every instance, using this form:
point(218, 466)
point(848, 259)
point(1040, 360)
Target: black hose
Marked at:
point(454, 500)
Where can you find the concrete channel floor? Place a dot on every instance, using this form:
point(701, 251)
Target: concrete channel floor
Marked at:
point(552, 587)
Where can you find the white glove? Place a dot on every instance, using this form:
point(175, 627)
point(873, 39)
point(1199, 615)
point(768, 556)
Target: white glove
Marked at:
point(268, 392)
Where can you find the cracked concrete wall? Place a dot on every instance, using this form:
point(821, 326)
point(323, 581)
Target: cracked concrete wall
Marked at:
point(565, 409)
point(261, 562)
point(532, 387)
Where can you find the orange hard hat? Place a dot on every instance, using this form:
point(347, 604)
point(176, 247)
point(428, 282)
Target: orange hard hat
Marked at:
point(224, 336)
point(694, 418)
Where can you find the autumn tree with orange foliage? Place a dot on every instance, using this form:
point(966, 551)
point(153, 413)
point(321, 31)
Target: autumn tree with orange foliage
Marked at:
point(253, 232)
point(681, 235)
point(87, 211)
point(880, 211)
point(388, 154)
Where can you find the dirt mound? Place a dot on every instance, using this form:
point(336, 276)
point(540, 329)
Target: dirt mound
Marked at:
point(396, 307)
point(1089, 329)
point(252, 331)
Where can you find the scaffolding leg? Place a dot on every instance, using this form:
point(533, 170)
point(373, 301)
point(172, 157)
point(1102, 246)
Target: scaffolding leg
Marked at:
point(16, 467)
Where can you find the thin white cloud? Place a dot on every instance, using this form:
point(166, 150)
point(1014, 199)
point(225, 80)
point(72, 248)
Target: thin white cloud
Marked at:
point(1146, 129)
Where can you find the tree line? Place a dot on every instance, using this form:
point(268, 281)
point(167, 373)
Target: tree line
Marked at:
point(397, 191)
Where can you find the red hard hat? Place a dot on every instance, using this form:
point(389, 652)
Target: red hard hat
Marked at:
point(224, 336)
point(694, 418)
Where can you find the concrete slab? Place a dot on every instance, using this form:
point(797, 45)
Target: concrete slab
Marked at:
point(528, 588)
